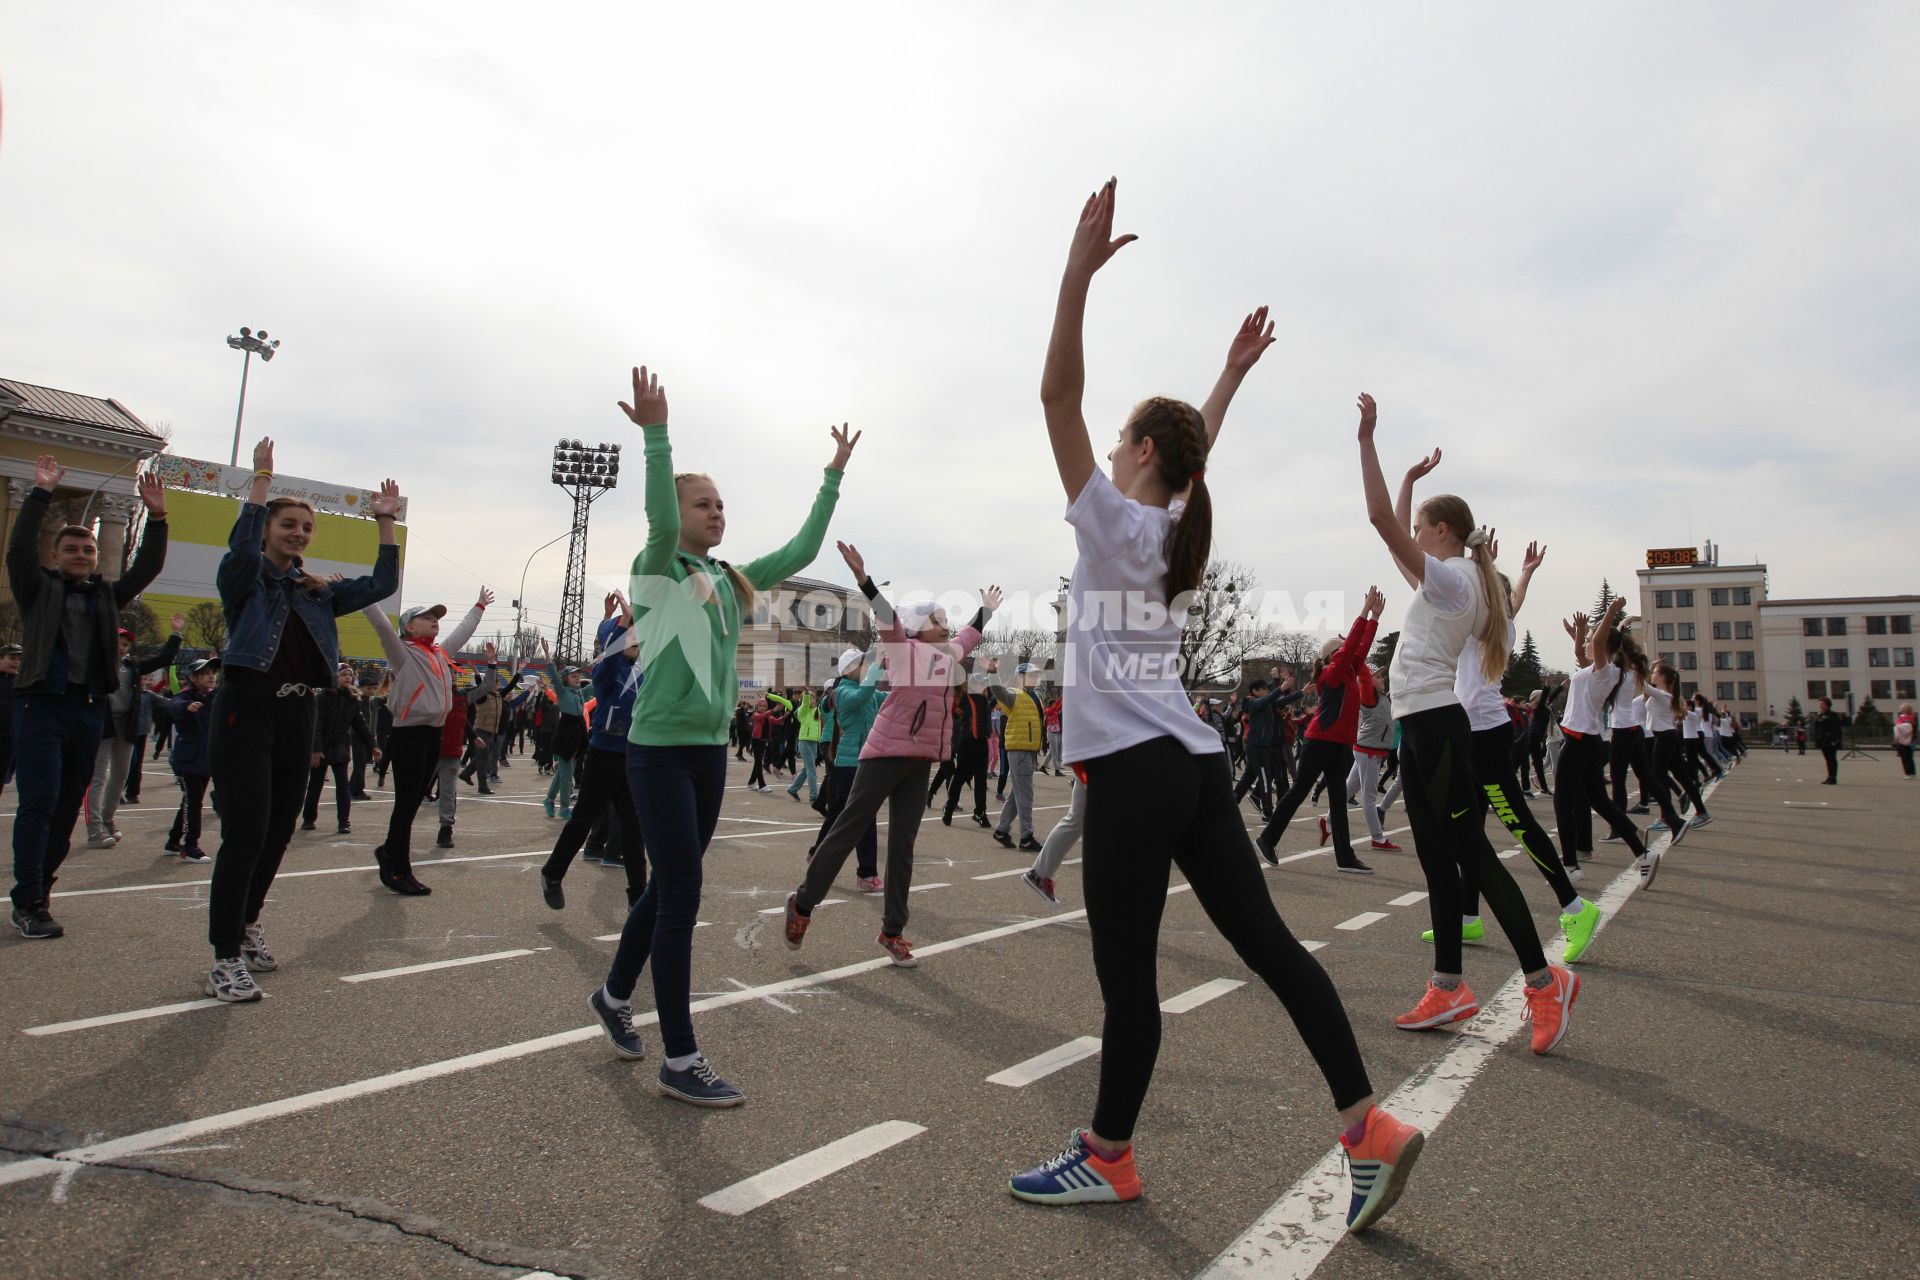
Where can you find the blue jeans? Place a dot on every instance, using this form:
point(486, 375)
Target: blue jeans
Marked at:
point(808, 753)
point(55, 739)
point(676, 794)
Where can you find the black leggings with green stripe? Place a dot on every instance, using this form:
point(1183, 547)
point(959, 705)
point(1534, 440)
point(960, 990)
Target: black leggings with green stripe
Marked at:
point(1493, 770)
point(1450, 837)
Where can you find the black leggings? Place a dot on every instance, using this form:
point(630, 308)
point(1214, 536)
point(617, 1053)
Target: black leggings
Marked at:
point(1450, 837)
point(603, 786)
point(1151, 807)
point(867, 851)
point(415, 752)
point(342, 793)
point(1580, 786)
point(260, 746)
point(185, 831)
point(1669, 763)
point(1325, 763)
point(1628, 751)
point(758, 777)
point(1493, 770)
point(969, 769)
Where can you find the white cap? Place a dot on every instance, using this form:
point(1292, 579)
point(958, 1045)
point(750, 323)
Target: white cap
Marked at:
point(849, 660)
point(915, 616)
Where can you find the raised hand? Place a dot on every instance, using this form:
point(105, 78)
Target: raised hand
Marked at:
point(47, 472)
point(263, 454)
point(1535, 557)
point(179, 622)
point(991, 598)
point(855, 561)
point(153, 494)
point(486, 597)
point(1376, 603)
point(386, 503)
point(1493, 542)
point(649, 407)
point(1421, 469)
point(1093, 242)
point(611, 604)
point(1255, 336)
point(1369, 416)
point(1576, 626)
point(1618, 607)
point(843, 446)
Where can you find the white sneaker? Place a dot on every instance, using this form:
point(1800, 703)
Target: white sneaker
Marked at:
point(254, 951)
point(1575, 874)
point(1649, 868)
point(100, 840)
point(230, 981)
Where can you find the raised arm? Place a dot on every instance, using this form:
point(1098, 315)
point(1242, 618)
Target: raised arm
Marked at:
point(1398, 535)
point(884, 618)
point(1255, 336)
point(1602, 633)
point(1403, 504)
point(778, 565)
point(469, 624)
point(358, 593)
point(649, 412)
point(1064, 382)
point(390, 643)
point(1576, 629)
point(152, 555)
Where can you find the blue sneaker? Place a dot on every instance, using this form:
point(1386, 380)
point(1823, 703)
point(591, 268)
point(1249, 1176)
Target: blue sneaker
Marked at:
point(700, 1085)
point(1701, 820)
point(1659, 826)
point(618, 1020)
point(1078, 1176)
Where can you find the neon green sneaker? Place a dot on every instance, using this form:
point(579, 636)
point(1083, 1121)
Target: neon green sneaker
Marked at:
point(1470, 931)
point(1579, 930)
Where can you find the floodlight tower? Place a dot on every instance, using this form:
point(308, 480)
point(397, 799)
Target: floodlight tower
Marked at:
point(587, 472)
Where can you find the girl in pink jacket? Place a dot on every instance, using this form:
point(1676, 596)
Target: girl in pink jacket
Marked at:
point(913, 731)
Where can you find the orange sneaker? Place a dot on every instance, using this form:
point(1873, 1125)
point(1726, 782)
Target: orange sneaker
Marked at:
point(1439, 1007)
point(796, 923)
point(896, 946)
point(1550, 1008)
point(1078, 1176)
point(1378, 1166)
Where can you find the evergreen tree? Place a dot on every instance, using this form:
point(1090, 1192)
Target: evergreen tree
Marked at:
point(1523, 669)
point(1606, 598)
point(1383, 647)
point(1796, 717)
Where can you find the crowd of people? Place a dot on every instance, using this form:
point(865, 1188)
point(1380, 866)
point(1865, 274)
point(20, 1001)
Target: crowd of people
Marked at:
point(634, 743)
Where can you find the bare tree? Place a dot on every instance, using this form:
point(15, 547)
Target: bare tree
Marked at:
point(10, 632)
point(1224, 629)
point(1017, 644)
point(207, 625)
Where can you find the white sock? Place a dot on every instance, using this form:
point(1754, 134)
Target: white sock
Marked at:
point(608, 997)
point(1575, 907)
point(682, 1063)
point(1469, 919)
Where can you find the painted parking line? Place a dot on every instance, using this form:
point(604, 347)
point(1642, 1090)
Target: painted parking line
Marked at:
point(1312, 946)
point(923, 888)
point(1042, 1065)
point(109, 1019)
point(1407, 899)
point(1362, 920)
point(1187, 1001)
point(614, 937)
point(824, 902)
point(405, 970)
point(1002, 875)
point(317, 871)
point(804, 1170)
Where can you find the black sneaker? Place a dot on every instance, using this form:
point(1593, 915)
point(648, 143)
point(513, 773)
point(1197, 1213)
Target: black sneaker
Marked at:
point(1002, 839)
point(306, 826)
point(981, 820)
point(345, 829)
point(361, 795)
point(551, 893)
point(946, 817)
point(446, 836)
point(1356, 868)
point(1639, 808)
point(1029, 845)
point(34, 922)
point(1267, 850)
point(699, 1084)
point(618, 1020)
point(614, 860)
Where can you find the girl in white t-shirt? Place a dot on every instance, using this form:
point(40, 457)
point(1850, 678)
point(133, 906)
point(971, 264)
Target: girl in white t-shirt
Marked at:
point(1669, 753)
point(1158, 790)
point(1446, 559)
point(1581, 783)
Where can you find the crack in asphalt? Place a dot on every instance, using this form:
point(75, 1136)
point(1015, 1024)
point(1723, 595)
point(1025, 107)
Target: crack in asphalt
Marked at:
point(341, 1207)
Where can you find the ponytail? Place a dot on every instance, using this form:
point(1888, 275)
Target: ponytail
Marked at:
point(1179, 436)
point(1452, 511)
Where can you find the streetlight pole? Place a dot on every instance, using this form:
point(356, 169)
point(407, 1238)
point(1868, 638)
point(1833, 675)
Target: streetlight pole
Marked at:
point(253, 344)
point(520, 601)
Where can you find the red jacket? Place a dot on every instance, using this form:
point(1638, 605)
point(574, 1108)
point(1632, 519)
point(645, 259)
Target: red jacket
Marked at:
point(1346, 685)
point(453, 734)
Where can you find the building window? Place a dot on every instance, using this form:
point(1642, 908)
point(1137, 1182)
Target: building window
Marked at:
point(1688, 688)
point(1723, 631)
point(1816, 658)
point(1686, 631)
point(1689, 661)
point(1663, 630)
point(1877, 626)
point(1749, 691)
point(1837, 689)
point(1902, 624)
point(1836, 657)
point(1743, 595)
point(1663, 599)
point(1743, 631)
point(1717, 597)
point(1877, 657)
point(1723, 690)
point(1666, 656)
point(1810, 626)
point(1903, 657)
point(1903, 690)
point(1882, 689)
point(1722, 661)
point(1683, 599)
point(1836, 626)
point(1744, 660)
point(1816, 688)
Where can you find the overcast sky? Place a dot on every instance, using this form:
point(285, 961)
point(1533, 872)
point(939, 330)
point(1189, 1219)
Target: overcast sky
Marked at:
point(1646, 272)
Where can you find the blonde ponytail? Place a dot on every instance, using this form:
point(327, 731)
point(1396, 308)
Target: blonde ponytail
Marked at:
point(1452, 510)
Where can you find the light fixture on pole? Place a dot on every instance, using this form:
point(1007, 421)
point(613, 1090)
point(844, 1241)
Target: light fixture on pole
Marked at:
point(254, 344)
point(587, 472)
point(520, 601)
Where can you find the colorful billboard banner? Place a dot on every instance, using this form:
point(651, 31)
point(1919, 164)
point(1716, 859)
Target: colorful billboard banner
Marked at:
point(214, 477)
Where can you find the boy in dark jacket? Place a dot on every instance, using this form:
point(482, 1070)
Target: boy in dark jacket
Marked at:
point(192, 717)
point(338, 727)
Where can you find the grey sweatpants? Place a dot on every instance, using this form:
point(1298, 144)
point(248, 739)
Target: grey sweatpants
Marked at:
point(1364, 781)
point(901, 785)
point(1063, 837)
point(449, 776)
point(1020, 767)
point(110, 765)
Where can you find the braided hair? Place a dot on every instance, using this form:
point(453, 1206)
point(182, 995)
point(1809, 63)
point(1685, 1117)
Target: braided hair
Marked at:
point(1179, 436)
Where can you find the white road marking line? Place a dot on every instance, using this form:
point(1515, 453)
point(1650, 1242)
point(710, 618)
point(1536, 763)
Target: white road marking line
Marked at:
point(297, 1104)
point(1296, 1233)
point(1362, 920)
point(1002, 875)
point(804, 1170)
point(614, 937)
point(824, 902)
point(1312, 946)
point(109, 1019)
point(1510, 853)
point(1407, 899)
point(1042, 1065)
point(775, 1001)
point(320, 871)
point(377, 974)
point(922, 888)
point(1187, 1001)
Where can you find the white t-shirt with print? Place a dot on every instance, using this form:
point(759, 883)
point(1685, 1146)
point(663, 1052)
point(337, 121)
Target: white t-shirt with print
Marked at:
point(1446, 611)
point(1486, 706)
point(1122, 661)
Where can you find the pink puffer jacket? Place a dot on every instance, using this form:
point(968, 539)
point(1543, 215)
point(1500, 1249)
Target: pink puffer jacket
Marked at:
point(916, 720)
